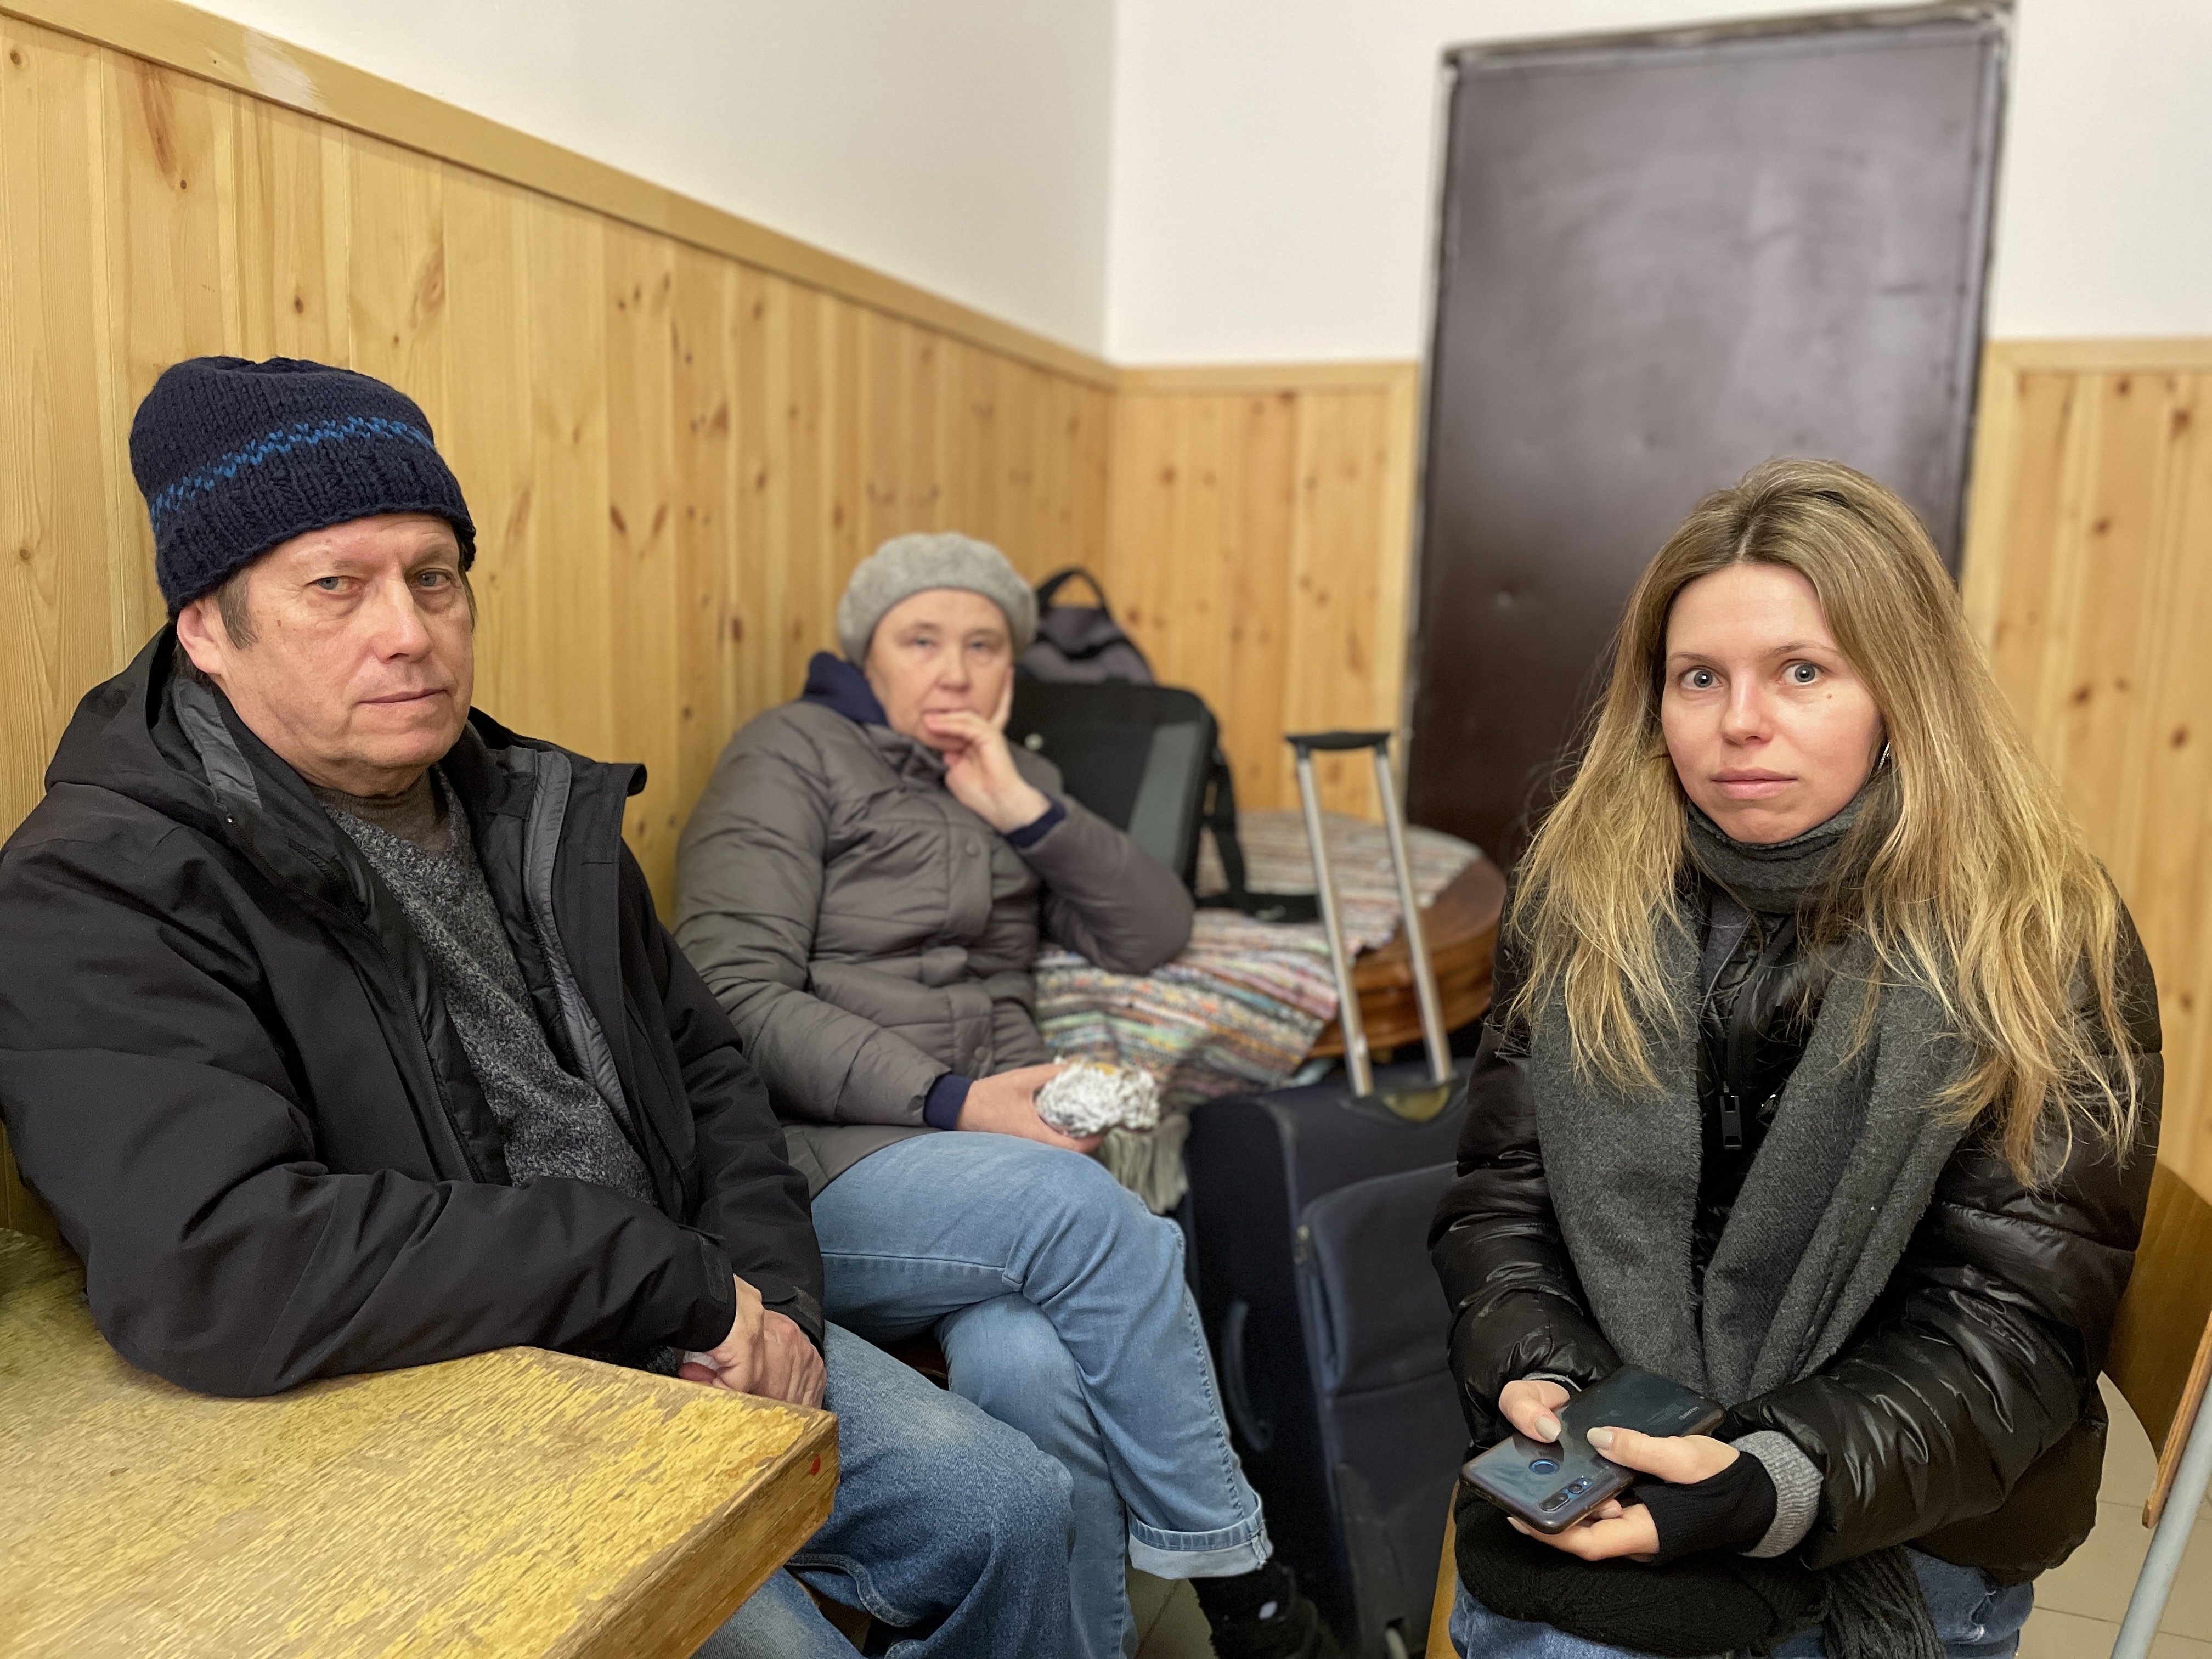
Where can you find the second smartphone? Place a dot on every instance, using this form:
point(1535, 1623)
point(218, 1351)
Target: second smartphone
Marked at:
point(1553, 1484)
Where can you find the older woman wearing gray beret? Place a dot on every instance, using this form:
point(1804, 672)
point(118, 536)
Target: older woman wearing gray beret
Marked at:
point(865, 884)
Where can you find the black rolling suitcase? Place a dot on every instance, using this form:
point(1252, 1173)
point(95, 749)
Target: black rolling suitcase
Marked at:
point(1310, 1215)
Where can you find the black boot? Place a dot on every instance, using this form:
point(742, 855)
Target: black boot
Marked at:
point(1260, 1615)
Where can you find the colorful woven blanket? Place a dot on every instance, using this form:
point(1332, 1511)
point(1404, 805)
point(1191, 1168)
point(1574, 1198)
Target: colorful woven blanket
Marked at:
point(1237, 1011)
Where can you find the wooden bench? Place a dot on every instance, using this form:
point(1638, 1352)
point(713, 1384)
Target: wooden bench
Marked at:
point(515, 1503)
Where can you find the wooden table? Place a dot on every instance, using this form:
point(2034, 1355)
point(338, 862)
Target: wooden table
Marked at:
point(1461, 925)
point(515, 1502)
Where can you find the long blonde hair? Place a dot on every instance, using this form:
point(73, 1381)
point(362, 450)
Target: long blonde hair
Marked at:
point(1966, 870)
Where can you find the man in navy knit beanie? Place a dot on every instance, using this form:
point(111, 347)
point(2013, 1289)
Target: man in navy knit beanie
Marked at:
point(339, 1034)
point(235, 457)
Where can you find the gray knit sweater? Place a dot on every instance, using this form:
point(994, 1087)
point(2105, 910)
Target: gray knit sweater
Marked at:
point(557, 1123)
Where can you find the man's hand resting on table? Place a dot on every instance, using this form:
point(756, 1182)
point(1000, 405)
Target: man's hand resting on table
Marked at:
point(765, 1353)
point(1007, 1105)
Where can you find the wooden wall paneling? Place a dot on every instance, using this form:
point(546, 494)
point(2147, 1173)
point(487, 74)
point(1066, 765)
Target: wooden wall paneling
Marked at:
point(1258, 636)
point(165, 185)
point(2169, 874)
point(1076, 468)
point(396, 274)
point(293, 219)
point(489, 435)
point(704, 470)
point(1349, 623)
point(922, 408)
point(568, 694)
point(643, 567)
point(798, 403)
point(55, 605)
point(757, 336)
point(974, 455)
point(2113, 645)
point(882, 404)
point(843, 436)
point(1259, 541)
point(1170, 513)
point(2089, 579)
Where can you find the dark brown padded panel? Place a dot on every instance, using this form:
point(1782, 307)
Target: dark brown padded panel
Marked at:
point(1663, 259)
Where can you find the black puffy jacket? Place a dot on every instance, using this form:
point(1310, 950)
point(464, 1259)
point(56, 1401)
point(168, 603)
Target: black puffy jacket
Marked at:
point(226, 1067)
point(1962, 1416)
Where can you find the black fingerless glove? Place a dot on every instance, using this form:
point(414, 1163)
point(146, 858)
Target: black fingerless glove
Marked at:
point(1730, 1511)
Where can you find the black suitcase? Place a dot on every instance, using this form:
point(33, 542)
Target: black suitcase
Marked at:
point(1309, 1214)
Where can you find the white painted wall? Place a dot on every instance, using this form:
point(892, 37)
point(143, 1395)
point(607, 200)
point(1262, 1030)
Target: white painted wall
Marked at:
point(1271, 178)
point(959, 144)
point(1227, 180)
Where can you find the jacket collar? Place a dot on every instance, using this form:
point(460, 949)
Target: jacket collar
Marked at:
point(838, 686)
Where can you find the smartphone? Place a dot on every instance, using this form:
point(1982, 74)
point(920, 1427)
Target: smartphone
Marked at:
point(1554, 1484)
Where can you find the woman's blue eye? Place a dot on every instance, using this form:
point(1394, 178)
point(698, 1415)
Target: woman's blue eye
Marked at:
point(1701, 679)
point(1803, 674)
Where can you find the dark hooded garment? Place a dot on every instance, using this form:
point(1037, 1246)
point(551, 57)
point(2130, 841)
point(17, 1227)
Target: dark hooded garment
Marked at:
point(227, 1067)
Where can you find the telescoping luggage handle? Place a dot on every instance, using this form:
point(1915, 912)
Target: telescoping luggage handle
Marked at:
point(1417, 1105)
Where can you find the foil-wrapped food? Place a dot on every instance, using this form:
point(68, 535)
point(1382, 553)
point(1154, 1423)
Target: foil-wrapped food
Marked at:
point(1090, 1097)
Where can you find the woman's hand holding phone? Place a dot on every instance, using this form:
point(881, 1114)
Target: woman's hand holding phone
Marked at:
point(1613, 1529)
point(1529, 1404)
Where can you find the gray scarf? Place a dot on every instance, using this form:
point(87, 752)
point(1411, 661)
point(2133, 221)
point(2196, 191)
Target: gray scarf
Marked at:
point(1844, 1175)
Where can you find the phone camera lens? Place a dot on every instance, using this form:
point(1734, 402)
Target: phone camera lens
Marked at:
point(1544, 1466)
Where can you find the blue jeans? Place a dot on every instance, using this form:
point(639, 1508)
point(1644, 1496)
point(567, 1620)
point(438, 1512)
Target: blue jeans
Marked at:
point(948, 1527)
point(1974, 1619)
point(1060, 1304)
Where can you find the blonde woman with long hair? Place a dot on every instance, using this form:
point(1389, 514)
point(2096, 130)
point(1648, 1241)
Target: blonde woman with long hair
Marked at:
point(1822, 1078)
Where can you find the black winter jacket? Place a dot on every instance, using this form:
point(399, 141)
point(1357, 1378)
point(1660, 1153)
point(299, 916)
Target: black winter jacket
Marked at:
point(226, 1067)
point(1963, 1417)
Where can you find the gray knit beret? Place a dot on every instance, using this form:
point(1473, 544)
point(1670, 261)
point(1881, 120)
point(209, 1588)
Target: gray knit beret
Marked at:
point(906, 565)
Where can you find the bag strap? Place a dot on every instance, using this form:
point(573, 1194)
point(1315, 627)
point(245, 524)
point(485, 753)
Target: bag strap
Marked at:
point(1050, 588)
point(1218, 810)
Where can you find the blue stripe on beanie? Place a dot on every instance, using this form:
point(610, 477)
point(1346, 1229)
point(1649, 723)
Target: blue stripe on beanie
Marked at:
point(235, 457)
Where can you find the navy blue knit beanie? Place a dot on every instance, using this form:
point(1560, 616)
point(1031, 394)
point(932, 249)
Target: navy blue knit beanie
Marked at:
point(235, 457)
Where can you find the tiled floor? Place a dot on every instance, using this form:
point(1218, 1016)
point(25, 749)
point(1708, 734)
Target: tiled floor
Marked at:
point(2078, 1608)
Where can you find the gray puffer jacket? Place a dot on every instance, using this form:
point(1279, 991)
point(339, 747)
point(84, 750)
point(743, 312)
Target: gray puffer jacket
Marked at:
point(868, 935)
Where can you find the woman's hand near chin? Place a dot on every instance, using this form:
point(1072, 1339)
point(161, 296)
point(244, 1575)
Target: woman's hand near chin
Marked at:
point(979, 771)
